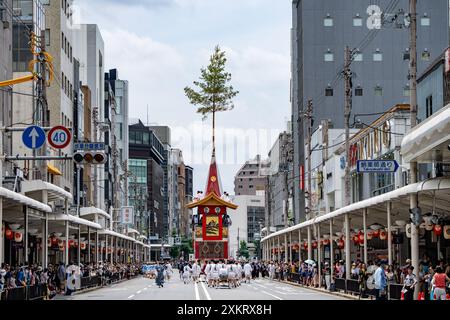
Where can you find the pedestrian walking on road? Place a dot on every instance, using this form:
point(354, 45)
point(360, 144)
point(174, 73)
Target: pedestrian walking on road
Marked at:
point(160, 276)
point(439, 282)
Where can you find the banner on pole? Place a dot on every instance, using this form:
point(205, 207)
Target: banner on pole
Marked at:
point(127, 215)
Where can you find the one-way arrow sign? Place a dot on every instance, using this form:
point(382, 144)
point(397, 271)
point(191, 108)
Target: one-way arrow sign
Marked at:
point(33, 137)
point(377, 166)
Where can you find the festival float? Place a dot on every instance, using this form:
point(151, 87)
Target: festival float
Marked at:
point(211, 237)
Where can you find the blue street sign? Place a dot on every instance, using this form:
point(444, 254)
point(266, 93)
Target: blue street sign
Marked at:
point(377, 166)
point(34, 137)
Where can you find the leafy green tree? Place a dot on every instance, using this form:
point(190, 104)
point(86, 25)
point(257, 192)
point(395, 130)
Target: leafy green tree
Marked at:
point(214, 94)
point(243, 250)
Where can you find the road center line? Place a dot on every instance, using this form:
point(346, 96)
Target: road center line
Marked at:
point(197, 294)
point(271, 295)
point(206, 291)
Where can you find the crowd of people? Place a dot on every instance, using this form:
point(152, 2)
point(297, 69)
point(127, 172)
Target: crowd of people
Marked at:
point(433, 282)
point(63, 279)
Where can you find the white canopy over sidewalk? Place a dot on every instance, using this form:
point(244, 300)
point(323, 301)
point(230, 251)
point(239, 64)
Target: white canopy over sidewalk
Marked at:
point(14, 196)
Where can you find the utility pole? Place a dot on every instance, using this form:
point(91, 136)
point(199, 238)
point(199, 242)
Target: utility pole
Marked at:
point(347, 112)
point(309, 116)
point(41, 104)
point(413, 106)
point(95, 114)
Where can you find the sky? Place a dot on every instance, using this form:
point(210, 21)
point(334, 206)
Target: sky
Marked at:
point(159, 46)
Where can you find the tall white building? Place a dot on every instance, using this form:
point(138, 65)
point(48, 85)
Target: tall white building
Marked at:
point(89, 49)
point(247, 222)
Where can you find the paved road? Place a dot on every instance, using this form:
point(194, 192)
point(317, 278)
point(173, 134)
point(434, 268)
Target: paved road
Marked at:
point(175, 289)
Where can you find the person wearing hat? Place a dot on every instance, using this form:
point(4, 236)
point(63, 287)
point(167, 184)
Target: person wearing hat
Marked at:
point(409, 284)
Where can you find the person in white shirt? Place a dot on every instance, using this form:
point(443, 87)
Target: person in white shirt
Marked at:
point(169, 271)
point(186, 273)
point(271, 271)
point(232, 275)
point(223, 271)
point(196, 271)
point(215, 274)
point(247, 272)
point(208, 270)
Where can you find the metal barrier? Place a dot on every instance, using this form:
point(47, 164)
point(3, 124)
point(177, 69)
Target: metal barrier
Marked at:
point(353, 286)
point(395, 291)
point(90, 282)
point(340, 284)
point(37, 292)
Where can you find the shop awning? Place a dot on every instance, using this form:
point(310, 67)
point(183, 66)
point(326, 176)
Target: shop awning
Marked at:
point(429, 141)
point(54, 192)
point(425, 186)
point(53, 170)
point(116, 234)
point(92, 211)
point(133, 231)
point(14, 196)
point(73, 219)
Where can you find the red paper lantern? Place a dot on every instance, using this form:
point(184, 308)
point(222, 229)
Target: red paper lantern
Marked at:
point(18, 237)
point(315, 245)
point(438, 230)
point(55, 241)
point(356, 240)
point(361, 238)
point(61, 245)
point(326, 242)
point(71, 243)
point(376, 233)
point(369, 235)
point(383, 235)
point(9, 234)
point(341, 244)
point(305, 245)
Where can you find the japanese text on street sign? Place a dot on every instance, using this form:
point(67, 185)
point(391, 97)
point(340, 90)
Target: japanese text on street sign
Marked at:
point(377, 166)
point(127, 215)
point(89, 146)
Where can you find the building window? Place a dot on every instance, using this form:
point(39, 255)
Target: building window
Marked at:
point(47, 37)
point(426, 55)
point(358, 56)
point(378, 56)
point(357, 21)
point(250, 187)
point(329, 56)
point(359, 91)
point(429, 103)
point(329, 92)
point(425, 21)
point(62, 40)
point(378, 91)
point(406, 91)
point(328, 21)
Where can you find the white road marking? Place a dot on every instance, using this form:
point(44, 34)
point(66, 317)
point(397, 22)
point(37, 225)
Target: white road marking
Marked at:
point(197, 294)
point(271, 295)
point(131, 296)
point(206, 291)
point(145, 289)
point(139, 292)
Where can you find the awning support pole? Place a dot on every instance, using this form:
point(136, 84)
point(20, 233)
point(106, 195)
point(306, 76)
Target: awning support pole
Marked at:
point(389, 231)
point(348, 263)
point(331, 251)
point(365, 233)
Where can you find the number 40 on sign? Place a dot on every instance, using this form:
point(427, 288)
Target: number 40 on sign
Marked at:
point(59, 137)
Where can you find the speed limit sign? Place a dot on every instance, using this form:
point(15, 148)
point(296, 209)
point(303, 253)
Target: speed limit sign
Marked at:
point(59, 137)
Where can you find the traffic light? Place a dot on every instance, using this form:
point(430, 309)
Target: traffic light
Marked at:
point(94, 158)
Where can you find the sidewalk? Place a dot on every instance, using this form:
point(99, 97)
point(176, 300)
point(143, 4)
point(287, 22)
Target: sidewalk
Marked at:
point(339, 294)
